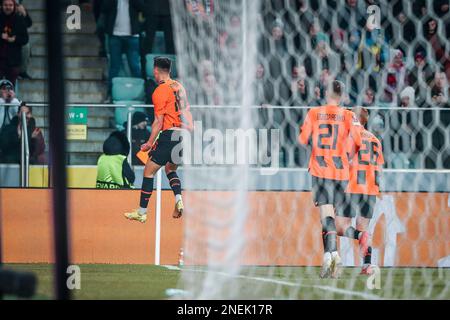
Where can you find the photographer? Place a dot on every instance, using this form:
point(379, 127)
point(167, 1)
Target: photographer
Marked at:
point(7, 96)
point(11, 135)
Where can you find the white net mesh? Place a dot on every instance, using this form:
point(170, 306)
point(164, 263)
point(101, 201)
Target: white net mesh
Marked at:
point(259, 65)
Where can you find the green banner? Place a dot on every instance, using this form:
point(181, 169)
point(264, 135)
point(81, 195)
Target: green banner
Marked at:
point(77, 115)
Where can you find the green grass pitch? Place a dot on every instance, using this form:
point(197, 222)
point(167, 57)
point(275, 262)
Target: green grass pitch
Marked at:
point(103, 281)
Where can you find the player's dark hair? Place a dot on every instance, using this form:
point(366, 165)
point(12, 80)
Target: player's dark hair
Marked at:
point(338, 88)
point(162, 63)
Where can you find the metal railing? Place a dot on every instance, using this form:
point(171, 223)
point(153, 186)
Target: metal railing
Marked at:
point(24, 153)
point(232, 108)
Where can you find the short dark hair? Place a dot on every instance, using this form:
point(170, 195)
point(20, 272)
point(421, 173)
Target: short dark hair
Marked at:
point(24, 104)
point(337, 88)
point(162, 63)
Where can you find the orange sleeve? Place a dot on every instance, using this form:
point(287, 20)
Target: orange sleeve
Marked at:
point(380, 157)
point(159, 99)
point(306, 129)
point(350, 147)
point(355, 128)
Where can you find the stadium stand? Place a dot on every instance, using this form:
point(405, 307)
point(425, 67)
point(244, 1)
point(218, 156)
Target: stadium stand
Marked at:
point(298, 53)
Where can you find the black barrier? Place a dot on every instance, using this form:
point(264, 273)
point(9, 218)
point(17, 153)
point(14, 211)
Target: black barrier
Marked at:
point(57, 135)
point(19, 284)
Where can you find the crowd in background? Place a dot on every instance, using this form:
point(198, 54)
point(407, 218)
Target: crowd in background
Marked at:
point(302, 45)
point(405, 62)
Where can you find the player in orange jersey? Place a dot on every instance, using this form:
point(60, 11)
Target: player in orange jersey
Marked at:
point(363, 188)
point(327, 128)
point(172, 115)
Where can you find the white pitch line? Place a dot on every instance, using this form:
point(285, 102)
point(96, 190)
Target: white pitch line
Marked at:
point(294, 284)
point(349, 292)
point(172, 267)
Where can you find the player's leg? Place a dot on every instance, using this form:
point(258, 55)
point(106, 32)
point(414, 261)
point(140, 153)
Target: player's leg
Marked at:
point(146, 191)
point(362, 223)
point(323, 192)
point(175, 184)
point(344, 216)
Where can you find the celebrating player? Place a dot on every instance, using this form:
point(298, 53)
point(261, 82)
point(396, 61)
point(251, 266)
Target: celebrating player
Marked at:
point(171, 116)
point(329, 127)
point(362, 189)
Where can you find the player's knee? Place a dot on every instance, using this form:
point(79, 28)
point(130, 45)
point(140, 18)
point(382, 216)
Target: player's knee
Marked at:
point(342, 224)
point(362, 224)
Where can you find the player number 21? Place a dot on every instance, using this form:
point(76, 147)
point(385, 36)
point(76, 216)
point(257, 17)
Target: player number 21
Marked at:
point(331, 131)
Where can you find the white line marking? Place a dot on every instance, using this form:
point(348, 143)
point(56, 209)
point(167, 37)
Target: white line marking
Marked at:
point(294, 284)
point(172, 268)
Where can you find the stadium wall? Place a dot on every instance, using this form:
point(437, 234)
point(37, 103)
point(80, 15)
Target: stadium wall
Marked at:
point(410, 229)
point(284, 179)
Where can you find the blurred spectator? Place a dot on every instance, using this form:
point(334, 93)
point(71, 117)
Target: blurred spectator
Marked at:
point(407, 97)
point(232, 30)
point(373, 52)
point(209, 91)
point(320, 88)
point(394, 78)
point(10, 138)
point(439, 90)
point(441, 7)
point(301, 92)
point(157, 17)
point(139, 134)
point(437, 43)
point(122, 27)
point(351, 14)
point(368, 98)
point(26, 49)
point(100, 30)
point(262, 87)
point(407, 25)
point(325, 57)
point(278, 49)
point(419, 77)
point(203, 9)
point(419, 8)
point(113, 169)
point(7, 96)
point(14, 36)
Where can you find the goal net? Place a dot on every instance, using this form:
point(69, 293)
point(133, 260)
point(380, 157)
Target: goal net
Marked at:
point(252, 69)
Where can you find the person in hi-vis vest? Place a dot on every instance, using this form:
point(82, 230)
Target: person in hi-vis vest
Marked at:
point(113, 169)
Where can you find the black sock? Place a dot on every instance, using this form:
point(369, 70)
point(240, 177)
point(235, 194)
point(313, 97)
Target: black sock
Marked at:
point(146, 192)
point(352, 233)
point(175, 182)
point(368, 256)
point(329, 234)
